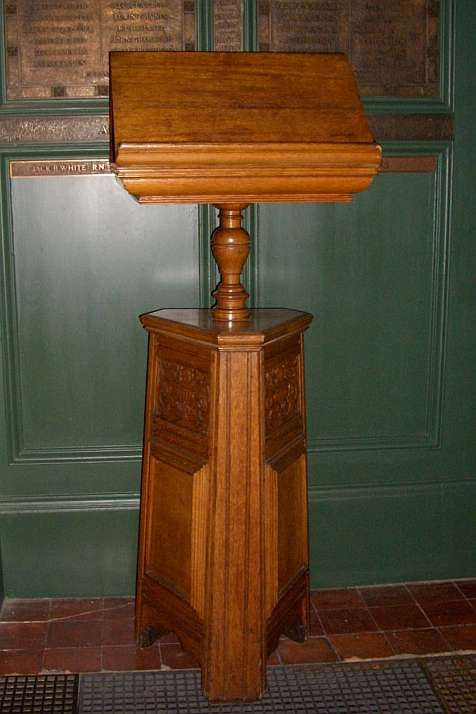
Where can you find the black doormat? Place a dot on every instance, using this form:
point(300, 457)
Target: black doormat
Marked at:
point(403, 686)
point(41, 694)
point(454, 678)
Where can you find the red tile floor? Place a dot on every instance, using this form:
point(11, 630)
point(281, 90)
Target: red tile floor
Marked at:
point(90, 635)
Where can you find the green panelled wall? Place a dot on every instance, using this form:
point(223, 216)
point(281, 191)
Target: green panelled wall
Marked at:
point(390, 354)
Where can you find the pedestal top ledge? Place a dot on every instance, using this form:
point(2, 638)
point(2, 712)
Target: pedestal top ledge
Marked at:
point(263, 326)
point(235, 128)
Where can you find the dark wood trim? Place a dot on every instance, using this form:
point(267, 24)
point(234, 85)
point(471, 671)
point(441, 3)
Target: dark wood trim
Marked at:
point(408, 127)
point(409, 164)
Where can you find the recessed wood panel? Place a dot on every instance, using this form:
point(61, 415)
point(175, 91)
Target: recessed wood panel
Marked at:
point(292, 521)
point(169, 527)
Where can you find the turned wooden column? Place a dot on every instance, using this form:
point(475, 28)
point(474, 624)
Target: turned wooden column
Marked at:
point(230, 248)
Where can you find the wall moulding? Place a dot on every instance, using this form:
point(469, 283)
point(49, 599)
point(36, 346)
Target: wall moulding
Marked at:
point(94, 129)
point(59, 504)
point(54, 130)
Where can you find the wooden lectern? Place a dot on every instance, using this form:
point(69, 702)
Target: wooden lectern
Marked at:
point(223, 555)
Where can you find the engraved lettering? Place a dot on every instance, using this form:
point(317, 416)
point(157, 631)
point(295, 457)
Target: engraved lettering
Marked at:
point(227, 25)
point(62, 46)
point(310, 25)
point(72, 167)
point(392, 44)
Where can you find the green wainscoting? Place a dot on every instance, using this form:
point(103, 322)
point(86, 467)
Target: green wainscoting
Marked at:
point(389, 357)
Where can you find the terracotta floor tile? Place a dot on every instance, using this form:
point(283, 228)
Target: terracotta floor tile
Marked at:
point(20, 661)
point(72, 659)
point(176, 658)
point(434, 592)
point(124, 609)
point(390, 595)
point(71, 633)
point(417, 642)
point(316, 649)
point(399, 617)
point(343, 621)
point(460, 637)
point(76, 607)
point(128, 658)
point(364, 645)
point(22, 635)
point(25, 610)
point(467, 587)
point(333, 599)
point(113, 602)
point(458, 612)
point(118, 631)
point(316, 629)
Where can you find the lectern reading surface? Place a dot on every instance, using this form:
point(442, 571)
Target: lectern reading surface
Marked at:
point(223, 555)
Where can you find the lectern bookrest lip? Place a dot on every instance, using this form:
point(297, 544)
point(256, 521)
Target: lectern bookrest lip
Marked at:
point(223, 557)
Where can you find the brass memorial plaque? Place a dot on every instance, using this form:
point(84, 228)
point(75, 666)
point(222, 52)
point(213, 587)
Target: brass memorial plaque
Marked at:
point(67, 167)
point(227, 25)
point(392, 44)
point(59, 48)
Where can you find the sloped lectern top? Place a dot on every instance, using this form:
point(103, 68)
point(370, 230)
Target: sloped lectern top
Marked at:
point(224, 127)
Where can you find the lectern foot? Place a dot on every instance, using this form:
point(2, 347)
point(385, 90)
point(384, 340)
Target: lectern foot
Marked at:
point(148, 635)
point(297, 631)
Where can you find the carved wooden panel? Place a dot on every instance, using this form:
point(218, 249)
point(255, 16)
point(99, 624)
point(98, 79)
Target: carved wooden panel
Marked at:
point(180, 419)
point(59, 48)
point(282, 394)
point(393, 44)
point(184, 396)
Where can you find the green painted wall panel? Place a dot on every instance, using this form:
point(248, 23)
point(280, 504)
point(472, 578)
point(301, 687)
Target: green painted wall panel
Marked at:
point(375, 536)
point(394, 534)
point(70, 553)
point(88, 260)
point(369, 272)
point(82, 261)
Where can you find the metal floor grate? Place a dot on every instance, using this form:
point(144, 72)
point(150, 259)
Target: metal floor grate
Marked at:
point(397, 687)
point(41, 694)
point(434, 685)
point(454, 678)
